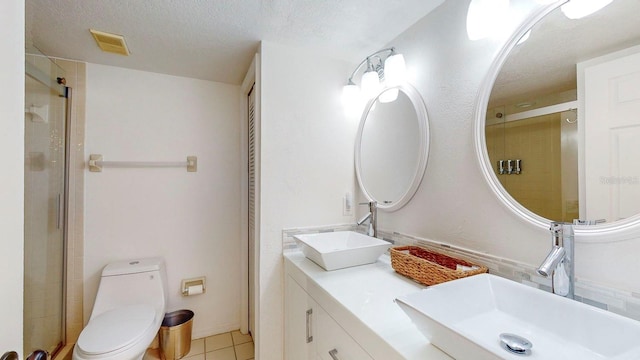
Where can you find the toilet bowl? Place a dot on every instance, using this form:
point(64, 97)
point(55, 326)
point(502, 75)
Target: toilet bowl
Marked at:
point(128, 311)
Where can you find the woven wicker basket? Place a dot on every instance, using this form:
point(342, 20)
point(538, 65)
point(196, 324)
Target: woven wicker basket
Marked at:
point(429, 267)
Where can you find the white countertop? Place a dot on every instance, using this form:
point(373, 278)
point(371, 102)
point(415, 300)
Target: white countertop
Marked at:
point(361, 300)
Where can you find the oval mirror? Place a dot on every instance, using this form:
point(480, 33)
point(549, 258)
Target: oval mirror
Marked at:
point(557, 122)
point(392, 147)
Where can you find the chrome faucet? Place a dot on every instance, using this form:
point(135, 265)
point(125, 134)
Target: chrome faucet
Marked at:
point(10, 355)
point(38, 355)
point(372, 216)
point(559, 263)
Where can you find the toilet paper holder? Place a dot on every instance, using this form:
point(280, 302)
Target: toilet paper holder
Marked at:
point(194, 286)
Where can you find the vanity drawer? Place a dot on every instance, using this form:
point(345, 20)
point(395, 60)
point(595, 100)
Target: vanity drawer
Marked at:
point(333, 338)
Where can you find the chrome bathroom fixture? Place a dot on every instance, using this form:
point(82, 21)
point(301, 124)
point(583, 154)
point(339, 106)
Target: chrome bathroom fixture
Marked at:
point(559, 262)
point(10, 355)
point(513, 167)
point(372, 216)
point(39, 355)
point(385, 68)
point(515, 344)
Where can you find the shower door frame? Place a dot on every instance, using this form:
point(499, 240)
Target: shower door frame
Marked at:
point(65, 92)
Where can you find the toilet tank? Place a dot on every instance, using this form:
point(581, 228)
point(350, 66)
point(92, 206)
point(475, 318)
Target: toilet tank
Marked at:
point(132, 282)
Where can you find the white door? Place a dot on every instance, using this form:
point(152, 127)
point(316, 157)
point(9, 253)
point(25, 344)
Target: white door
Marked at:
point(12, 185)
point(609, 91)
point(251, 170)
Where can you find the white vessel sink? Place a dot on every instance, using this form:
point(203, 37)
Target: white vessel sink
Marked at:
point(465, 318)
point(341, 249)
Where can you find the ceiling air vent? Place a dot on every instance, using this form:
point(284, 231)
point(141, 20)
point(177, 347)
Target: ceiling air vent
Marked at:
point(110, 42)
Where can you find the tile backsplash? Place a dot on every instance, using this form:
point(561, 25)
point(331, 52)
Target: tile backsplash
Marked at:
point(625, 303)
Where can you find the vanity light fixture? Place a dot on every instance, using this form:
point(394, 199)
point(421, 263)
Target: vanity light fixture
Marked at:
point(379, 73)
point(573, 9)
point(577, 9)
point(486, 17)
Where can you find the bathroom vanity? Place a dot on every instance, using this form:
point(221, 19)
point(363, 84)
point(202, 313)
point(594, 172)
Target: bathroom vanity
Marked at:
point(349, 313)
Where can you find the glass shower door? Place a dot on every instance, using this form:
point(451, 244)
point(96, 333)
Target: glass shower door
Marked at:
point(44, 197)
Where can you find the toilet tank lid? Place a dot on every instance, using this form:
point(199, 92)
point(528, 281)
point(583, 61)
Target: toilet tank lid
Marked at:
point(133, 266)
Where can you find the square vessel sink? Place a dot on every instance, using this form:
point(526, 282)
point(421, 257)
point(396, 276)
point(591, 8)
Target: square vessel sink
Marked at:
point(465, 318)
point(341, 249)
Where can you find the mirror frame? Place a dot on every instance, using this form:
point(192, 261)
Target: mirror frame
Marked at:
point(613, 231)
point(423, 151)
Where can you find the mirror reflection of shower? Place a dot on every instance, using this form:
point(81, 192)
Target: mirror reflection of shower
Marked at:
point(537, 146)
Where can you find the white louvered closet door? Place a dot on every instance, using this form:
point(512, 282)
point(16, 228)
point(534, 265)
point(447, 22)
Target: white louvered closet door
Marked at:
point(252, 203)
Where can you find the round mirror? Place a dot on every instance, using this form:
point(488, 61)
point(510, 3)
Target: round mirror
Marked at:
point(557, 121)
point(392, 147)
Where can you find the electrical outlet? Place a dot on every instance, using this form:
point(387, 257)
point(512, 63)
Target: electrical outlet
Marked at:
point(347, 204)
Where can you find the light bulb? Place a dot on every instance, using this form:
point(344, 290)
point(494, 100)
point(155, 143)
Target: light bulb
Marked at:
point(395, 70)
point(576, 9)
point(370, 84)
point(485, 17)
point(350, 93)
point(351, 100)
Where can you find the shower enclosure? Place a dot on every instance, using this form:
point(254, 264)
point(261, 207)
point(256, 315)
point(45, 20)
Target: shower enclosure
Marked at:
point(45, 169)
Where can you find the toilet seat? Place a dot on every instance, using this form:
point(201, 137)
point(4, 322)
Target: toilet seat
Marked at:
point(116, 329)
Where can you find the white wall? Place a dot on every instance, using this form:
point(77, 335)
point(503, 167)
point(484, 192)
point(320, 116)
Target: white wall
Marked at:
point(306, 166)
point(190, 219)
point(454, 204)
point(11, 179)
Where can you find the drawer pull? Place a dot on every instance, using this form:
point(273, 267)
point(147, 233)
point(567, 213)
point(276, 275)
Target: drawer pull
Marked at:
point(309, 325)
point(334, 354)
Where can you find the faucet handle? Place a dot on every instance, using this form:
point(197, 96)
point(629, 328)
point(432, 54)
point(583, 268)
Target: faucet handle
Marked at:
point(372, 205)
point(588, 222)
point(555, 227)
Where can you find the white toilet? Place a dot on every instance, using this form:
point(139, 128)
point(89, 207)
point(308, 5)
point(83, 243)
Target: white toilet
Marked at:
point(129, 308)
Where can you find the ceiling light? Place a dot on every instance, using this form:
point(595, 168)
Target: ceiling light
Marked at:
point(485, 17)
point(576, 9)
point(375, 78)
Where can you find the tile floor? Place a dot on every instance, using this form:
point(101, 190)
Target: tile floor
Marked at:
point(228, 346)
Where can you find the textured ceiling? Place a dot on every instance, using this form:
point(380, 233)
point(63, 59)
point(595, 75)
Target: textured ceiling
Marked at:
point(546, 62)
point(216, 39)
